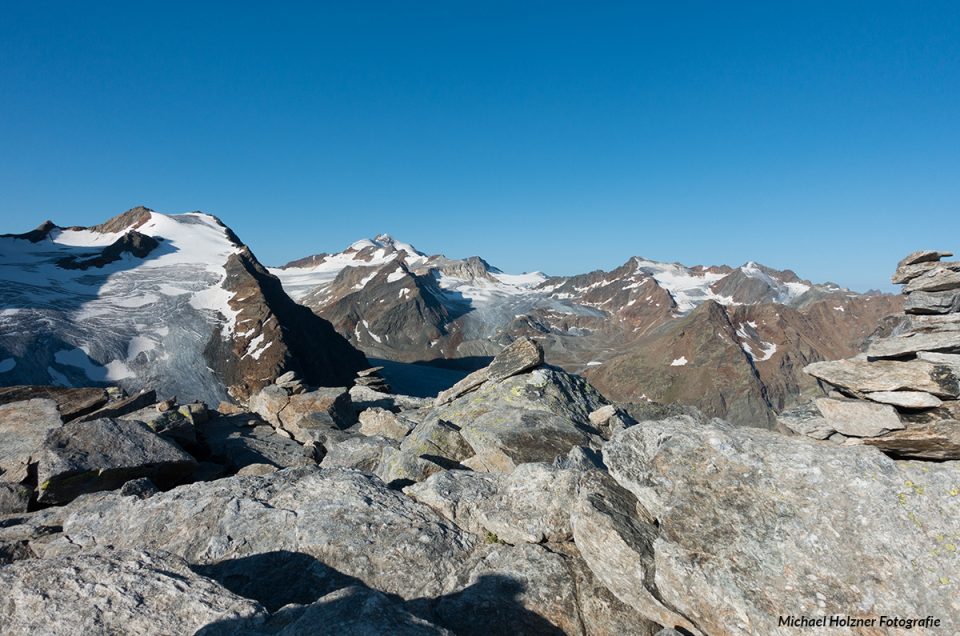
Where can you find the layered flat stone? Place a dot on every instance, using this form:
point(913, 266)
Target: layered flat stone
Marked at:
point(923, 256)
point(855, 418)
point(945, 276)
point(937, 441)
point(906, 399)
point(862, 376)
point(939, 302)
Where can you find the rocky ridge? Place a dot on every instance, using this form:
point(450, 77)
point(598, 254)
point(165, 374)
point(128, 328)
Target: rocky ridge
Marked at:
point(521, 502)
point(901, 395)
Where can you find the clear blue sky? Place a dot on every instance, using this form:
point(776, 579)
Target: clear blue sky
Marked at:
point(819, 136)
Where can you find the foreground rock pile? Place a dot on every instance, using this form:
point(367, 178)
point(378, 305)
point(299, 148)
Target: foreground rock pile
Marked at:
point(522, 502)
point(902, 394)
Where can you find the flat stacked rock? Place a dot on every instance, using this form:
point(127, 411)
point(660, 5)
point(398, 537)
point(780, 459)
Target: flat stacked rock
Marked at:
point(902, 396)
point(372, 379)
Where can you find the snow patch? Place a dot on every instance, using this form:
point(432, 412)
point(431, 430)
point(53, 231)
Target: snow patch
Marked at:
point(679, 362)
point(7, 365)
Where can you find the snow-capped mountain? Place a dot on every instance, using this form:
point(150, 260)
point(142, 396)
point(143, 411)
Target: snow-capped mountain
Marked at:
point(173, 302)
point(395, 302)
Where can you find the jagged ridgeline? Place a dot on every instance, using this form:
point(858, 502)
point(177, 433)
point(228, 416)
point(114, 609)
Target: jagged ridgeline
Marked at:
point(175, 303)
point(731, 341)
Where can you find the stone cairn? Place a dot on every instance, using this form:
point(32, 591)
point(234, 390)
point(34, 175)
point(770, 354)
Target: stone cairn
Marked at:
point(901, 395)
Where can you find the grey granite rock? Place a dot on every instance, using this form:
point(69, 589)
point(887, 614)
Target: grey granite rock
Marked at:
point(862, 376)
point(521, 355)
point(23, 428)
point(856, 418)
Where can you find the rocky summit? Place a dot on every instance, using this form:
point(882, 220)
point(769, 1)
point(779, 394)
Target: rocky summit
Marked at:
point(518, 498)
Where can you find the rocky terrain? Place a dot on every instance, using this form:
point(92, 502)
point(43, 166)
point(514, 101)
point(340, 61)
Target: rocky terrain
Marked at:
point(174, 303)
point(731, 341)
point(518, 501)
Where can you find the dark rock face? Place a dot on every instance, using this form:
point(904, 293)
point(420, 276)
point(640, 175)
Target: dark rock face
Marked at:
point(133, 243)
point(84, 457)
point(71, 403)
point(301, 341)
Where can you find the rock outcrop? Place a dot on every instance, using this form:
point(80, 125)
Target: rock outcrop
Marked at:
point(902, 396)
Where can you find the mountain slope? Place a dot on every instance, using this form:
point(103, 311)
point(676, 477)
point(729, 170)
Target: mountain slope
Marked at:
point(623, 328)
point(173, 302)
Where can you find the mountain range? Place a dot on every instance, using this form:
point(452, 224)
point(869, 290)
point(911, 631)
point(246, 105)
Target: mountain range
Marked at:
point(731, 341)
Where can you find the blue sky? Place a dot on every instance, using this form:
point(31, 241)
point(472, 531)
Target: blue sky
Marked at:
point(818, 136)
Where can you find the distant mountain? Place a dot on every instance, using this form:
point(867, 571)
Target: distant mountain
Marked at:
point(172, 302)
point(634, 331)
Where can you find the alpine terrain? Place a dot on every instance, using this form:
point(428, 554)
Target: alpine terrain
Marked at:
point(175, 303)
point(731, 341)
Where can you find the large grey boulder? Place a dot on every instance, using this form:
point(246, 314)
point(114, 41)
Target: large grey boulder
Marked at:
point(855, 418)
point(242, 440)
point(531, 504)
point(88, 456)
point(114, 592)
point(359, 452)
point(23, 428)
point(862, 376)
point(71, 402)
point(347, 520)
point(521, 355)
point(433, 445)
point(920, 333)
point(308, 414)
point(943, 277)
point(942, 302)
point(743, 525)
point(378, 421)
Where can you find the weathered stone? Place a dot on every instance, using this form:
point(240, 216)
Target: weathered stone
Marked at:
point(521, 355)
point(911, 343)
point(949, 359)
point(316, 410)
point(855, 418)
point(923, 256)
point(861, 376)
point(88, 456)
point(347, 520)
point(458, 495)
point(748, 522)
point(71, 402)
point(122, 406)
point(502, 440)
point(196, 412)
point(368, 372)
point(944, 277)
point(14, 498)
point(141, 487)
point(165, 405)
point(905, 399)
point(432, 445)
point(942, 302)
point(581, 458)
point(619, 548)
point(268, 402)
point(609, 420)
point(364, 397)
point(377, 421)
point(284, 378)
point(236, 445)
point(525, 589)
point(936, 441)
point(906, 273)
point(23, 428)
point(359, 452)
point(532, 505)
point(256, 469)
point(113, 592)
point(806, 419)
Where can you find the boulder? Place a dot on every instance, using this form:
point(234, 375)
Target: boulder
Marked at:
point(949, 359)
point(862, 376)
point(23, 428)
point(923, 256)
point(89, 456)
point(944, 277)
point(942, 302)
point(348, 521)
point(521, 355)
point(432, 445)
point(123, 406)
point(744, 525)
point(256, 469)
point(905, 399)
point(114, 592)
point(359, 453)
point(377, 421)
point(806, 419)
point(364, 397)
point(855, 418)
point(268, 402)
point(457, 495)
point(234, 443)
point(936, 440)
point(71, 402)
point(14, 498)
point(307, 415)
